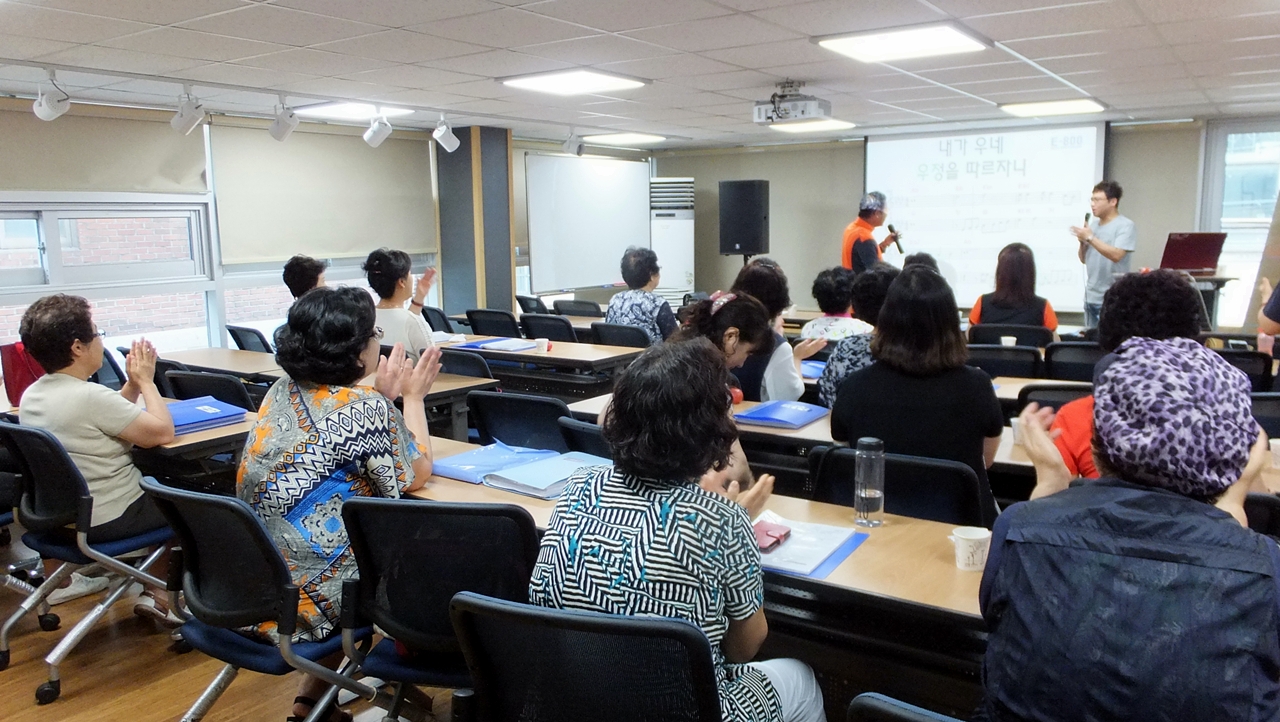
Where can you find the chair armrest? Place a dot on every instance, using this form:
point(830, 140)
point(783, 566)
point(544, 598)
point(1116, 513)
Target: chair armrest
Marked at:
point(347, 618)
point(287, 622)
point(287, 626)
point(463, 708)
point(84, 513)
point(174, 586)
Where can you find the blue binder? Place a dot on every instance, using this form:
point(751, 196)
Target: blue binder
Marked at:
point(203, 413)
point(812, 369)
point(543, 479)
point(782, 414)
point(472, 466)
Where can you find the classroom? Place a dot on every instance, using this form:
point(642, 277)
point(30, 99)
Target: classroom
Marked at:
point(367, 360)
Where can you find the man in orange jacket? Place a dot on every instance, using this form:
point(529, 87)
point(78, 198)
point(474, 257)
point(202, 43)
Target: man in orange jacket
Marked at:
point(860, 250)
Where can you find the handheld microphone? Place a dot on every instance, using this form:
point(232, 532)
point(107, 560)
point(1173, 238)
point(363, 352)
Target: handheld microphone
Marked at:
point(895, 238)
point(1086, 219)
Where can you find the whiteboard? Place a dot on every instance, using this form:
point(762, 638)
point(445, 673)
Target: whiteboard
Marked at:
point(583, 214)
point(963, 197)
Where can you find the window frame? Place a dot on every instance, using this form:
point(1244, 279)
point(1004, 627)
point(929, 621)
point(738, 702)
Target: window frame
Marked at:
point(1215, 164)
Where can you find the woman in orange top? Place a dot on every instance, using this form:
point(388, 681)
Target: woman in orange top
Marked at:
point(1014, 300)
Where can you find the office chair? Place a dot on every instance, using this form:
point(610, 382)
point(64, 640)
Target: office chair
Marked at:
point(578, 308)
point(1053, 395)
point(164, 366)
point(617, 334)
point(531, 304)
point(56, 509)
point(1263, 513)
point(491, 322)
point(1072, 360)
point(914, 486)
point(110, 375)
point(484, 548)
point(1254, 363)
point(232, 576)
point(1266, 411)
point(584, 437)
point(436, 319)
point(872, 707)
point(249, 339)
point(224, 387)
point(518, 419)
point(692, 298)
point(548, 326)
point(535, 663)
point(990, 333)
point(1018, 361)
point(9, 578)
point(464, 363)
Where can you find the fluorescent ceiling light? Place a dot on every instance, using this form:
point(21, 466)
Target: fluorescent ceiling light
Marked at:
point(623, 139)
point(573, 82)
point(812, 126)
point(885, 46)
point(1054, 107)
point(351, 111)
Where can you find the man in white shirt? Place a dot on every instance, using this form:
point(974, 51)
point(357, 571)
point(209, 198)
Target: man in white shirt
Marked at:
point(1105, 245)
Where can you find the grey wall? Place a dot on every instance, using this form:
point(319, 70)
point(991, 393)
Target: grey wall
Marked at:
point(1159, 168)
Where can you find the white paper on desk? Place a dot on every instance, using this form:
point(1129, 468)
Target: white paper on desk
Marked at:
point(446, 337)
point(808, 546)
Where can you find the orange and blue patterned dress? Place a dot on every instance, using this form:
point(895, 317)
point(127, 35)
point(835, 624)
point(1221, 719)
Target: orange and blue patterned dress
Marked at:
point(314, 447)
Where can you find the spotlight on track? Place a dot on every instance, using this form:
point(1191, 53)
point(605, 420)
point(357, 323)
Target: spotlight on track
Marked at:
point(574, 145)
point(286, 121)
point(379, 130)
point(51, 103)
point(444, 135)
point(190, 112)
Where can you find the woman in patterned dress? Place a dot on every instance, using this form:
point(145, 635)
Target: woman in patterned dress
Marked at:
point(322, 438)
point(640, 306)
point(854, 352)
point(644, 538)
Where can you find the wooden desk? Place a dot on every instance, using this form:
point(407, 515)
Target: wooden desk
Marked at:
point(249, 364)
point(569, 371)
point(816, 433)
point(798, 318)
point(1008, 387)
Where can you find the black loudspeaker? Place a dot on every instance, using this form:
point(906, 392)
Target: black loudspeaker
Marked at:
point(744, 217)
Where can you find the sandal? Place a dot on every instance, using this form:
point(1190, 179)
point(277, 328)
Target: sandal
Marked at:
point(343, 715)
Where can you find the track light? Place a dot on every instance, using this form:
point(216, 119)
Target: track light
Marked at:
point(379, 130)
point(285, 123)
point(444, 135)
point(190, 112)
point(50, 105)
point(574, 145)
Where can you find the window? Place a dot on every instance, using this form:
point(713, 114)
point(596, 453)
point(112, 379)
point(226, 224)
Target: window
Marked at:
point(1244, 176)
point(171, 321)
point(20, 250)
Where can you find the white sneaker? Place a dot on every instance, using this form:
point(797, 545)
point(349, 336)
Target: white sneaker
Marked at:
point(152, 608)
point(80, 586)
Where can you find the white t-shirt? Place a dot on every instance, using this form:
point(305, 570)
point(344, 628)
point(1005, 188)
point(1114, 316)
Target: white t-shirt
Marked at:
point(401, 326)
point(834, 328)
point(781, 378)
point(87, 418)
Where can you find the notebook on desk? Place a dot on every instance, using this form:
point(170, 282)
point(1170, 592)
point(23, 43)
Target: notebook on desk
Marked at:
point(782, 414)
point(500, 344)
point(471, 466)
point(543, 479)
point(203, 413)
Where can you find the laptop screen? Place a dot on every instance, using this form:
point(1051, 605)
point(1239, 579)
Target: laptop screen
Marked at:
point(1195, 252)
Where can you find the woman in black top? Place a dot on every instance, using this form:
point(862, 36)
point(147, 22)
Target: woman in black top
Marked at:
point(1014, 300)
point(919, 397)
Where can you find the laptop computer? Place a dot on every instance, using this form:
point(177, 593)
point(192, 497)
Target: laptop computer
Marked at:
point(1195, 253)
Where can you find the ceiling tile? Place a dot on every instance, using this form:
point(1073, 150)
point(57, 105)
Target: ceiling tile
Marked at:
point(191, 44)
point(410, 76)
point(1131, 102)
point(1062, 19)
point(1132, 74)
point(1142, 87)
point(929, 106)
point(92, 56)
point(1235, 66)
point(487, 88)
point(17, 47)
point(832, 17)
point(392, 13)
point(1267, 108)
point(786, 52)
point(117, 97)
point(1088, 41)
point(595, 50)
point(977, 73)
point(1235, 81)
point(233, 74)
point(1012, 85)
point(723, 32)
point(831, 70)
point(1261, 92)
point(401, 46)
point(1220, 29)
point(668, 66)
point(37, 22)
point(158, 12)
point(986, 56)
point(1201, 52)
point(969, 8)
point(498, 64)
point(419, 97)
point(619, 15)
point(728, 81)
point(314, 62)
point(333, 87)
point(753, 5)
point(1176, 10)
point(270, 23)
point(154, 87)
point(1105, 61)
point(504, 28)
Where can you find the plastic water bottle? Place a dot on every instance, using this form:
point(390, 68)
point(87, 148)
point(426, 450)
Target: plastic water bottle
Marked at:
point(869, 483)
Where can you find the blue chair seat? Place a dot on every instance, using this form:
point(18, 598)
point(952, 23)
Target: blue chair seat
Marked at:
point(6, 518)
point(60, 547)
point(258, 656)
point(384, 662)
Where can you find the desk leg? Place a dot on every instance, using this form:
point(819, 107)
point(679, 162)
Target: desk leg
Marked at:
point(458, 420)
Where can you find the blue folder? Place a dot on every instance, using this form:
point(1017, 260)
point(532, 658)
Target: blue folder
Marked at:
point(782, 414)
point(499, 344)
point(543, 479)
point(812, 369)
point(203, 413)
point(472, 466)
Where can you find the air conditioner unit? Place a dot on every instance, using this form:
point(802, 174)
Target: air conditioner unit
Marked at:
point(671, 235)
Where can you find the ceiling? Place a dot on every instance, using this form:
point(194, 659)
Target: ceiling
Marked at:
point(708, 59)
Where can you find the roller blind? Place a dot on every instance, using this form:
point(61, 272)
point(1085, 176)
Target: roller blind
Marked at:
point(84, 153)
point(323, 192)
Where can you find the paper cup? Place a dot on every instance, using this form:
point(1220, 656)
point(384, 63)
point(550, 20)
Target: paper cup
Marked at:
point(972, 544)
point(543, 344)
point(1016, 425)
point(1009, 340)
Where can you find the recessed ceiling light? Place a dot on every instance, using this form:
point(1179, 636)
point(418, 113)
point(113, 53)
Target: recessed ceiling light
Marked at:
point(812, 126)
point(883, 46)
point(350, 111)
point(623, 139)
point(1054, 107)
point(573, 82)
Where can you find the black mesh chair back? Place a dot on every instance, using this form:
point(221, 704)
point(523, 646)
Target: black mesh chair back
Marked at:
point(548, 326)
point(692, 298)
point(385, 350)
point(110, 375)
point(223, 387)
point(51, 490)
point(531, 304)
point(1052, 395)
point(232, 572)
point(914, 486)
point(584, 437)
point(534, 664)
point(1263, 513)
point(1072, 360)
point(464, 363)
point(990, 333)
point(617, 334)
point(1254, 363)
point(249, 339)
point(491, 322)
point(1266, 410)
point(1019, 361)
point(578, 308)
point(518, 419)
point(872, 707)
point(163, 367)
point(436, 319)
point(414, 555)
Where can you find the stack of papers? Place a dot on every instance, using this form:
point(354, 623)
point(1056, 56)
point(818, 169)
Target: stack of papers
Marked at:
point(203, 413)
point(500, 344)
point(543, 479)
point(812, 550)
point(782, 414)
point(439, 337)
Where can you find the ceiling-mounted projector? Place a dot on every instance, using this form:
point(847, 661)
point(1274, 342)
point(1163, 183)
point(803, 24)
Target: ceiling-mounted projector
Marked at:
point(788, 104)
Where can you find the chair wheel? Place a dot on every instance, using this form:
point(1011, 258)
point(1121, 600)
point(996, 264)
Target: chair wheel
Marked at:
point(4, 659)
point(49, 691)
point(49, 622)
